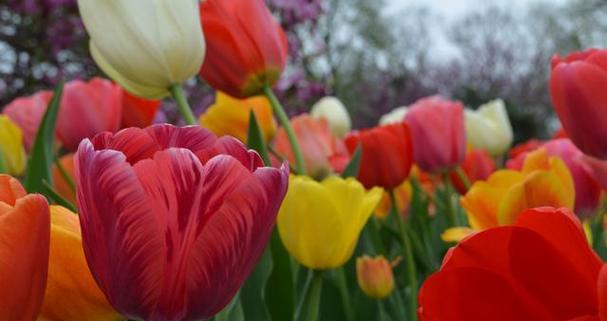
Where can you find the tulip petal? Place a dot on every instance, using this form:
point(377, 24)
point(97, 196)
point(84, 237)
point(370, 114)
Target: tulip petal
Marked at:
point(10, 190)
point(24, 253)
point(602, 292)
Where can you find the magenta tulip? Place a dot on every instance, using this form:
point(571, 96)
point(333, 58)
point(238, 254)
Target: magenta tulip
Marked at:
point(437, 129)
point(577, 87)
point(173, 219)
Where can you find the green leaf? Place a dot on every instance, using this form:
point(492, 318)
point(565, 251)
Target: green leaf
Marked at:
point(354, 166)
point(58, 199)
point(256, 141)
point(252, 293)
point(280, 288)
point(42, 155)
point(232, 312)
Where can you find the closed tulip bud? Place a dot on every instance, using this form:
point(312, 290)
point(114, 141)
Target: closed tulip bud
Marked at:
point(320, 222)
point(145, 46)
point(439, 138)
point(242, 57)
point(577, 85)
point(395, 116)
point(230, 116)
point(71, 292)
point(387, 154)
point(375, 276)
point(24, 244)
point(173, 219)
point(27, 112)
point(334, 111)
point(489, 128)
point(12, 153)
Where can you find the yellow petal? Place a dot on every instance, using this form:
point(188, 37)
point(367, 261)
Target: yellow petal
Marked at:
point(71, 292)
point(11, 146)
point(456, 234)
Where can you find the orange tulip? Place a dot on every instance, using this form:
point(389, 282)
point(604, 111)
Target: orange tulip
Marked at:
point(24, 251)
point(61, 184)
point(403, 194)
point(230, 116)
point(543, 181)
point(71, 291)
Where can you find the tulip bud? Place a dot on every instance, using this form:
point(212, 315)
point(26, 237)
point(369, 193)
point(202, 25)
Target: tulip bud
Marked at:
point(334, 111)
point(12, 153)
point(146, 46)
point(394, 116)
point(489, 128)
point(375, 276)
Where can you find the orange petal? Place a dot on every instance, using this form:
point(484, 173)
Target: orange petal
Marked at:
point(10, 190)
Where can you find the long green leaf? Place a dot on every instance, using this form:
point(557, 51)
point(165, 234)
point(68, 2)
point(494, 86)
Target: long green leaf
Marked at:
point(354, 165)
point(280, 288)
point(42, 155)
point(256, 141)
point(58, 199)
point(252, 293)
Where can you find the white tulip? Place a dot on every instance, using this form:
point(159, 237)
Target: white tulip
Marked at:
point(489, 128)
point(336, 114)
point(394, 116)
point(146, 46)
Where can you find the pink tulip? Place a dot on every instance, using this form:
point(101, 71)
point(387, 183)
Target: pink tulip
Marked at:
point(173, 219)
point(27, 112)
point(437, 129)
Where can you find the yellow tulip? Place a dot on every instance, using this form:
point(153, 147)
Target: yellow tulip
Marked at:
point(320, 222)
point(375, 276)
point(230, 116)
point(71, 292)
point(543, 181)
point(12, 152)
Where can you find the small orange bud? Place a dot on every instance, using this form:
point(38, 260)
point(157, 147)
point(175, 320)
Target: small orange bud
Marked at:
point(375, 276)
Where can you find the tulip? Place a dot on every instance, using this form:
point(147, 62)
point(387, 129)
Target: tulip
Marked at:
point(540, 268)
point(12, 153)
point(27, 112)
point(598, 168)
point(489, 128)
point(336, 114)
point(138, 112)
point(24, 245)
point(71, 291)
point(588, 190)
point(146, 46)
point(403, 194)
point(63, 185)
point(242, 57)
point(230, 116)
point(477, 166)
point(395, 116)
point(386, 155)
point(323, 153)
point(543, 181)
point(320, 222)
point(173, 219)
point(525, 147)
point(88, 108)
point(577, 85)
point(437, 129)
point(374, 276)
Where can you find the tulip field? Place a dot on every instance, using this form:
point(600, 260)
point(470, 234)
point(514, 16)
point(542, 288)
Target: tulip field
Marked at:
point(252, 211)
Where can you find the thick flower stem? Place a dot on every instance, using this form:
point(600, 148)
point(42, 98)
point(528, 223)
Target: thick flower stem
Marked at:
point(182, 103)
point(410, 272)
point(383, 316)
point(310, 306)
point(450, 211)
point(345, 293)
point(462, 176)
point(283, 119)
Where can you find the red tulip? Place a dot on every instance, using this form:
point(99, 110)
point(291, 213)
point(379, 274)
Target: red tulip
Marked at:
point(437, 128)
point(27, 112)
point(138, 112)
point(539, 269)
point(88, 108)
point(588, 190)
point(577, 87)
point(24, 251)
point(387, 154)
point(524, 148)
point(246, 47)
point(173, 219)
point(477, 165)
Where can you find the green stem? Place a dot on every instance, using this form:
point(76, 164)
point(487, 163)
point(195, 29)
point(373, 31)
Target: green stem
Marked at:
point(284, 122)
point(310, 305)
point(450, 211)
point(410, 272)
point(345, 294)
point(182, 103)
point(383, 316)
point(463, 177)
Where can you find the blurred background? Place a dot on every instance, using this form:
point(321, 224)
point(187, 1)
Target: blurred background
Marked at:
point(373, 55)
